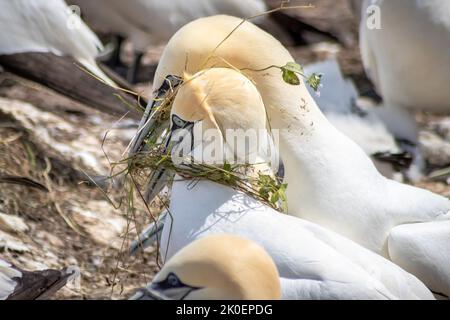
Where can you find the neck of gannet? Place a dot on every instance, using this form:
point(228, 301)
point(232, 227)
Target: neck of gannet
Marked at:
point(208, 197)
point(293, 111)
point(304, 131)
point(309, 145)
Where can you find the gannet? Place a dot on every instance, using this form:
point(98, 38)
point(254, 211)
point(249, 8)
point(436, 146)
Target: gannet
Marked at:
point(331, 181)
point(313, 263)
point(338, 100)
point(48, 26)
point(219, 266)
point(404, 47)
point(18, 284)
point(147, 22)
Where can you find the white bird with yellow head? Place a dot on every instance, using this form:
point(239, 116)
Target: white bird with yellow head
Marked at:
point(221, 266)
point(313, 263)
point(331, 181)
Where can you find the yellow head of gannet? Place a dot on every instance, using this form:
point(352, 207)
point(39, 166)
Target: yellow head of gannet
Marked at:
point(228, 42)
point(222, 99)
point(217, 267)
point(218, 116)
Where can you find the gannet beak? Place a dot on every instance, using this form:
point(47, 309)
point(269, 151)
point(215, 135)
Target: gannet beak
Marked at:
point(160, 177)
point(149, 236)
point(164, 291)
point(148, 294)
point(147, 126)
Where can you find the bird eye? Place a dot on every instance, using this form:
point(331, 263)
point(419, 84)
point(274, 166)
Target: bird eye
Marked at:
point(173, 281)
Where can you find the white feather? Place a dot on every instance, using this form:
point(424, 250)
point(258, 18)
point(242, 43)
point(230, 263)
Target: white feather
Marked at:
point(313, 263)
point(331, 181)
point(149, 21)
point(45, 26)
point(408, 57)
point(338, 99)
point(7, 284)
point(421, 247)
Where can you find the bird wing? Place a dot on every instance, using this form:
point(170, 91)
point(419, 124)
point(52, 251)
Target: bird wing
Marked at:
point(161, 19)
point(422, 249)
point(393, 277)
point(300, 255)
point(439, 10)
point(409, 204)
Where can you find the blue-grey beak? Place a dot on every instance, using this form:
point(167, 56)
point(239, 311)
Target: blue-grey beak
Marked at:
point(159, 178)
point(148, 129)
point(148, 294)
point(170, 288)
point(147, 126)
point(150, 235)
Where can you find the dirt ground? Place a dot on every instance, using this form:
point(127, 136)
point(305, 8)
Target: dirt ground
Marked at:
point(58, 142)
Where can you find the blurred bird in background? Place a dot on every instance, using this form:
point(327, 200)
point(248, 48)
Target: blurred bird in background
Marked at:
point(48, 26)
point(406, 55)
point(341, 104)
point(146, 22)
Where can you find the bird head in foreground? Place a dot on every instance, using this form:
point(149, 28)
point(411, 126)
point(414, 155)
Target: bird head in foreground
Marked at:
point(218, 100)
point(216, 267)
point(217, 117)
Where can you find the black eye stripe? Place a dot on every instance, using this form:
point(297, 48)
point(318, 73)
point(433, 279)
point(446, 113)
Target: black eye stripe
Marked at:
point(173, 287)
point(170, 82)
point(178, 123)
point(170, 282)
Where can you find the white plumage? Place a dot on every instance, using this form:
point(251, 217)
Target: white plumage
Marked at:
point(421, 247)
point(331, 181)
point(313, 262)
point(148, 22)
point(48, 26)
point(408, 58)
point(338, 101)
point(7, 282)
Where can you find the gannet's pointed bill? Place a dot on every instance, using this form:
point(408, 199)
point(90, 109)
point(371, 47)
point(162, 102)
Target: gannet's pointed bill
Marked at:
point(216, 267)
point(148, 294)
point(157, 180)
point(170, 288)
point(149, 236)
point(147, 126)
point(219, 101)
point(160, 177)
